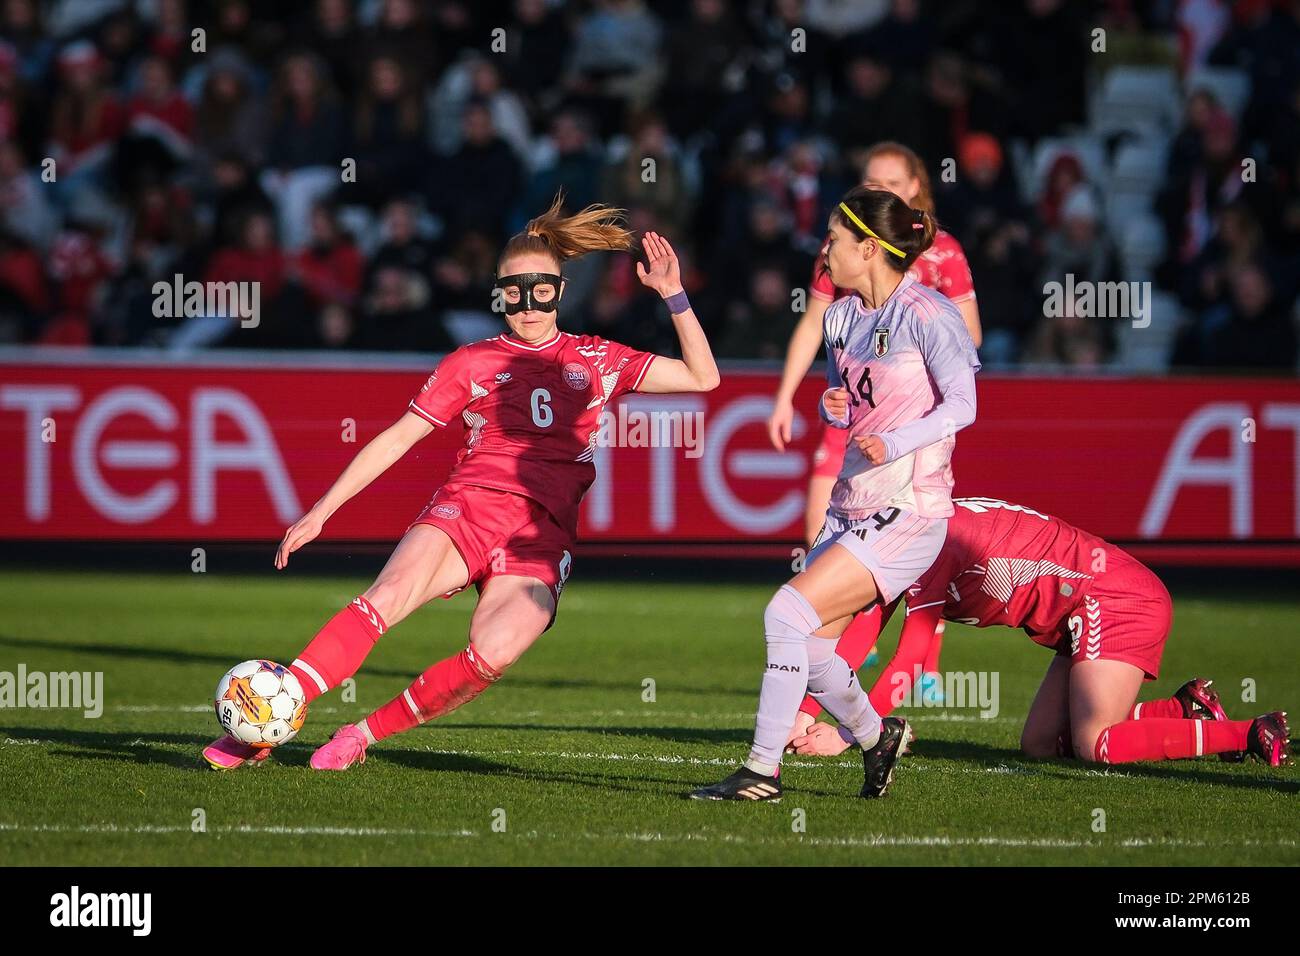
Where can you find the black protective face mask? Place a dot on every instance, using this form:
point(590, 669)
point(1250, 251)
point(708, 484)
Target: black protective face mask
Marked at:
point(527, 283)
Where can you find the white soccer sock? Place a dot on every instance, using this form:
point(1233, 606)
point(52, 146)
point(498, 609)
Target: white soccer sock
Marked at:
point(787, 624)
point(835, 686)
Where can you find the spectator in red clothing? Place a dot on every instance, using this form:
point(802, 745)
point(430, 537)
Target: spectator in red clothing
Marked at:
point(255, 258)
point(86, 118)
point(330, 267)
point(158, 109)
point(1065, 173)
point(78, 265)
point(171, 36)
point(159, 129)
point(795, 181)
point(1193, 194)
point(80, 270)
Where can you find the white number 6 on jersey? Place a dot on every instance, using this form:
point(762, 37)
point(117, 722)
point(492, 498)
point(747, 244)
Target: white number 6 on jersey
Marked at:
point(542, 414)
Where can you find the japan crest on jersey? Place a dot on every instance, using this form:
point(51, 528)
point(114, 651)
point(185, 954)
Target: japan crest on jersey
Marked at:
point(881, 342)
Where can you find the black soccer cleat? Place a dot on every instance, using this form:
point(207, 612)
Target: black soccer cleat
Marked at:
point(878, 762)
point(744, 784)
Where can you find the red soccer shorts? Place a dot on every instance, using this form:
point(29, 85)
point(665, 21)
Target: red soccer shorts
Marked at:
point(497, 532)
point(1125, 616)
point(829, 455)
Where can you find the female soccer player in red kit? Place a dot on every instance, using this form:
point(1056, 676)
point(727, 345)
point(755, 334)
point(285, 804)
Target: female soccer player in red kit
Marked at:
point(505, 519)
point(1105, 614)
point(942, 267)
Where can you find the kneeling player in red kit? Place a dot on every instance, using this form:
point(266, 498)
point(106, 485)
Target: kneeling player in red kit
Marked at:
point(506, 517)
point(1105, 614)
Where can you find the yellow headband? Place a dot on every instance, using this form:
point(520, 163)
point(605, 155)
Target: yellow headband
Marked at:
point(867, 229)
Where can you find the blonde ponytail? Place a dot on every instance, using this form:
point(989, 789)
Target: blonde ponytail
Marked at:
point(567, 237)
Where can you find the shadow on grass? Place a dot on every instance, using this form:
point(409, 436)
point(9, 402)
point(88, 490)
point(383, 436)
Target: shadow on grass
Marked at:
point(680, 734)
point(132, 746)
point(428, 760)
point(173, 655)
point(1225, 777)
point(964, 751)
point(1208, 770)
point(643, 784)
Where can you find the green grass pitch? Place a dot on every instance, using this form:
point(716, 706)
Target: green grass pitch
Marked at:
point(565, 762)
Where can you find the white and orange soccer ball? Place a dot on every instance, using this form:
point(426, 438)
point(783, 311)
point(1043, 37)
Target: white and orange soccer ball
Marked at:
point(260, 703)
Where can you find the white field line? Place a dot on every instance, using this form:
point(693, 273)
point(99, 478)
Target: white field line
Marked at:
point(802, 763)
point(875, 840)
point(912, 765)
point(650, 710)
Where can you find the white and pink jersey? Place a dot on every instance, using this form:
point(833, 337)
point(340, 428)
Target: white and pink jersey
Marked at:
point(909, 368)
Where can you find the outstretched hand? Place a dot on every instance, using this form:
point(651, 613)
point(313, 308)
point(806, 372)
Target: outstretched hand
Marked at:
point(302, 531)
point(661, 271)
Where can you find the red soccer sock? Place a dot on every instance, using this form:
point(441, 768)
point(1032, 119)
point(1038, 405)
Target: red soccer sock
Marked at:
point(1163, 738)
point(441, 689)
point(932, 655)
point(337, 650)
point(855, 644)
point(1165, 707)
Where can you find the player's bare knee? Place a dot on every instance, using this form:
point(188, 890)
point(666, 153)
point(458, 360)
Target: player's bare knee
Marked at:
point(1085, 743)
point(1037, 747)
point(391, 597)
point(495, 649)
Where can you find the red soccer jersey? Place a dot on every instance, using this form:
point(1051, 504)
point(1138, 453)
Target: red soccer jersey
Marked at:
point(1006, 565)
point(942, 267)
point(531, 413)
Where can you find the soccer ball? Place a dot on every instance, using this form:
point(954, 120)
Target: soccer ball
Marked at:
point(260, 703)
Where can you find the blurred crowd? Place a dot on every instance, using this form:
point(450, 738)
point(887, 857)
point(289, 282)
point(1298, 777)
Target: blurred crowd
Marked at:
point(364, 162)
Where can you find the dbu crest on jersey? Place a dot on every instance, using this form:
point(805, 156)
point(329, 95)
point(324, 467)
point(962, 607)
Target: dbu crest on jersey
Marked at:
point(881, 342)
point(577, 377)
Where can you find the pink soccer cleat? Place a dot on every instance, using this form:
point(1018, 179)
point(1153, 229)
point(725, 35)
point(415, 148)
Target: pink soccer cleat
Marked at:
point(1200, 700)
point(346, 747)
point(225, 753)
point(1269, 739)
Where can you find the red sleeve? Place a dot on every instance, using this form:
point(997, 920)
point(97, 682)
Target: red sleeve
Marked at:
point(896, 679)
point(820, 285)
point(954, 272)
point(629, 365)
point(446, 393)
